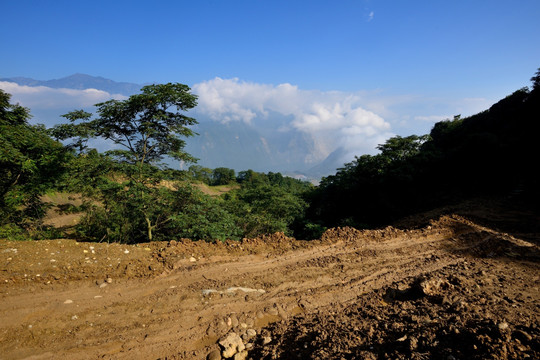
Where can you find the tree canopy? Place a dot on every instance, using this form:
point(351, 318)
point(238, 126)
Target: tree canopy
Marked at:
point(487, 154)
point(130, 195)
point(146, 127)
point(30, 164)
point(143, 126)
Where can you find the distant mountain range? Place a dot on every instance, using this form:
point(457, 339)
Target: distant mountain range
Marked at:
point(260, 146)
point(240, 146)
point(80, 82)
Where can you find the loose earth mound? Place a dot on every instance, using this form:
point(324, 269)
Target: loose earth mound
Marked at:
point(459, 287)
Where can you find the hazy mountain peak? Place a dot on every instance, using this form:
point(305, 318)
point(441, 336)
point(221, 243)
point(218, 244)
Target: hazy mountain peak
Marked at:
point(80, 81)
point(267, 143)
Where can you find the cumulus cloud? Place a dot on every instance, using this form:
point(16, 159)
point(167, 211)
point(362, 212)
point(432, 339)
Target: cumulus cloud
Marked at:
point(332, 119)
point(42, 97)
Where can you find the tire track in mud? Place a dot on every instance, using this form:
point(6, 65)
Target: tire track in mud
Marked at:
point(171, 316)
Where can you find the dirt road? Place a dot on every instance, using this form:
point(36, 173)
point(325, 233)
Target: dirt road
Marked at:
point(453, 289)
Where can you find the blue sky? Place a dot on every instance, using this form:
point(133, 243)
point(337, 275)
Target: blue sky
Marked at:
point(403, 46)
point(408, 62)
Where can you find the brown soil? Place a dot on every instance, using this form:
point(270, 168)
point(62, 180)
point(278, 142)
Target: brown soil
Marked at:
point(215, 190)
point(458, 287)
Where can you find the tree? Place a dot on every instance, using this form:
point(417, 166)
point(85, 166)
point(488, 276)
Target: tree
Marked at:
point(399, 148)
point(146, 127)
point(200, 173)
point(30, 163)
point(263, 208)
point(223, 176)
point(536, 80)
point(143, 125)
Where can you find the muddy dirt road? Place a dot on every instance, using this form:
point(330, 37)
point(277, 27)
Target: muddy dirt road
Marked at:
point(453, 289)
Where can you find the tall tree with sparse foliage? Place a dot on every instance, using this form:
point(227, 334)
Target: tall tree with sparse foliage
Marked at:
point(146, 128)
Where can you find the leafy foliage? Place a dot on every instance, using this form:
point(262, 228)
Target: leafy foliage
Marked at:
point(223, 176)
point(131, 196)
point(134, 205)
point(200, 173)
point(30, 164)
point(488, 154)
point(267, 203)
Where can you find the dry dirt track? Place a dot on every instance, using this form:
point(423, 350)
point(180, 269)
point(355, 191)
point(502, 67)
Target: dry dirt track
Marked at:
point(176, 300)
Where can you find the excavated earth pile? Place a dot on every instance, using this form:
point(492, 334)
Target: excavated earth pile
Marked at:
point(455, 288)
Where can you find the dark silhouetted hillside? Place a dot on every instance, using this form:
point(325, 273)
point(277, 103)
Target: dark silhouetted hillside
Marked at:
point(492, 154)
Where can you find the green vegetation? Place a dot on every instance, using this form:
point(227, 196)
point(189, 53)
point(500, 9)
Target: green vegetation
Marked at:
point(30, 164)
point(493, 153)
point(146, 131)
point(130, 195)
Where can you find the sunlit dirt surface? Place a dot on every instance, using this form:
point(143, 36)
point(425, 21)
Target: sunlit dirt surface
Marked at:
point(455, 287)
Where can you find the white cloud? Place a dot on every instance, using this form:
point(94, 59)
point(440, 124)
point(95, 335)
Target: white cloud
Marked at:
point(42, 97)
point(356, 121)
point(371, 15)
point(333, 119)
point(433, 118)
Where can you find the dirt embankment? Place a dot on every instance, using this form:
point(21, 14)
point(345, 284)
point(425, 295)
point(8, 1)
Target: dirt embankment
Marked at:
point(452, 289)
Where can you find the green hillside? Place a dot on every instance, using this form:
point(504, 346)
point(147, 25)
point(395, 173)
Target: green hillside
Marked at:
point(130, 195)
point(493, 153)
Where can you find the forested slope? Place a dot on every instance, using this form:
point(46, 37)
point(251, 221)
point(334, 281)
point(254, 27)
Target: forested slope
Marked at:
point(493, 153)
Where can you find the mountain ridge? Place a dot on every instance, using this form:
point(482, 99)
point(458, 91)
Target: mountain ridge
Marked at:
point(261, 146)
point(80, 81)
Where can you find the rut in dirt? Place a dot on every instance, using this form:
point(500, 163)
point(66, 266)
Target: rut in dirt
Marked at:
point(177, 300)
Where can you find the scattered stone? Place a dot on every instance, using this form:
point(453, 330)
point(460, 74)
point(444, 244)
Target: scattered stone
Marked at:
point(267, 340)
point(206, 292)
point(74, 317)
point(68, 301)
point(231, 344)
point(413, 343)
point(503, 325)
point(402, 338)
point(245, 289)
point(242, 355)
point(214, 355)
point(109, 280)
point(192, 259)
point(126, 251)
point(102, 285)
point(251, 333)
point(273, 311)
